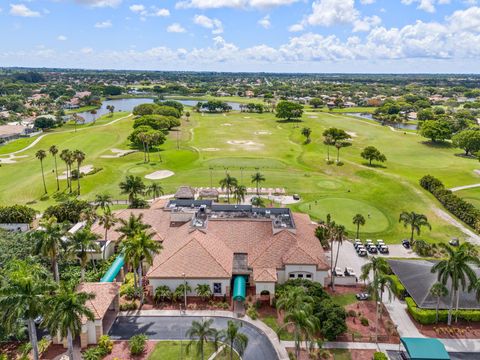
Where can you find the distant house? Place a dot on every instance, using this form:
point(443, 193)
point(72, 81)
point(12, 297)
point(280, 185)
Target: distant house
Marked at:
point(12, 132)
point(349, 104)
point(185, 193)
point(249, 93)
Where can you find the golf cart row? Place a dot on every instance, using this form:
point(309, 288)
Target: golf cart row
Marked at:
point(369, 247)
point(347, 272)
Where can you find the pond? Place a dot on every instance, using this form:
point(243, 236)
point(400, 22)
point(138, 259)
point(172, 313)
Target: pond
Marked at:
point(129, 104)
point(385, 123)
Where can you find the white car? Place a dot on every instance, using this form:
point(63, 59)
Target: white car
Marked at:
point(350, 272)
point(338, 272)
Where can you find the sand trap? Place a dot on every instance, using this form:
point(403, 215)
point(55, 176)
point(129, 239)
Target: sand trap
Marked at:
point(11, 159)
point(160, 174)
point(262, 132)
point(118, 153)
point(224, 114)
point(246, 144)
point(85, 170)
point(247, 117)
point(211, 149)
point(352, 134)
point(313, 117)
point(226, 124)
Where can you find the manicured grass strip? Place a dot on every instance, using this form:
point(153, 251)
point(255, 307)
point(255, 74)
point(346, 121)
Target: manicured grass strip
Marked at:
point(344, 299)
point(271, 321)
point(173, 350)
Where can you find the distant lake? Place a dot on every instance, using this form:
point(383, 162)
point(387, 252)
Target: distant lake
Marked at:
point(385, 123)
point(129, 104)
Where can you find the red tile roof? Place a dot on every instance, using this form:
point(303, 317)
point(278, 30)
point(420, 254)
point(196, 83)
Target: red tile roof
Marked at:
point(104, 295)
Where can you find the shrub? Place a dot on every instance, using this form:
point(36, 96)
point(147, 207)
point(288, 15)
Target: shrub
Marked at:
point(352, 313)
point(128, 306)
point(94, 353)
point(364, 321)
point(127, 290)
point(136, 344)
point(379, 356)
point(397, 287)
point(68, 211)
point(19, 214)
point(252, 312)
point(105, 343)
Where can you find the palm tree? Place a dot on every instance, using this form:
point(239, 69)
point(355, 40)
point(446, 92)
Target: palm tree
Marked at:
point(328, 141)
point(293, 297)
point(239, 193)
point(133, 186)
point(204, 291)
point(257, 178)
point(139, 249)
point(233, 337)
point(155, 189)
point(49, 243)
point(103, 201)
point(25, 286)
point(79, 157)
point(108, 221)
point(476, 287)
point(40, 155)
point(438, 290)
point(67, 308)
point(66, 156)
point(54, 151)
point(339, 234)
point(306, 131)
point(199, 333)
point(131, 227)
point(415, 221)
point(162, 293)
point(228, 183)
point(80, 243)
point(358, 220)
point(456, 268)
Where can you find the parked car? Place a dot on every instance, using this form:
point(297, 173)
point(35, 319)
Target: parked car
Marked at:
point(383, 249)
point(406, 244)
point(350, 272)
point(338, 272)
point(454, 242)
point(362, 296)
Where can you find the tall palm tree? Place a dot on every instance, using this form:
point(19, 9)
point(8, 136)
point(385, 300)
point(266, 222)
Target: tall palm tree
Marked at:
point(131, 227)
point(25, 287)
point(79, 157)
point(257, 178)
point(476, 287)
point(233, 337)
point(40, 155)
point(328, 141)
point(239, 193)
point(155, 190)
point(456, 268)
point(358, 220)
point(49, 243)
point(199, 333)
point(108, 221)
point(80, 243)
point(438, 290)
point(339, 234)
point(415, 221)
point(228, 183)
point(133, 186)
point(54, 151)
point(66, 156)
point(67, 308)
point(103, 201)
point(306, 131)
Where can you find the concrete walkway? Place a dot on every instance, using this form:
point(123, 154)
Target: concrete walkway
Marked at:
point(398, 313)
point(458, 188)
point(348, 345)
point(258, 324)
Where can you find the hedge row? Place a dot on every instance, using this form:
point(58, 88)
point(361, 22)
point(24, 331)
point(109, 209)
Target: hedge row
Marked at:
point(16, 214)
point(462, 209)
point(397, 287)
point(428, 316)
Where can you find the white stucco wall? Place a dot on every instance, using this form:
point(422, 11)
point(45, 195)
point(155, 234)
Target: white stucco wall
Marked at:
point(15, 227)
point(109, 251)
point(261, 286)
point(174, 283)
point(318, 276)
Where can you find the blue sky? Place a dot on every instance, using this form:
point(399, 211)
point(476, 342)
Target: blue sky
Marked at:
point(244, 35)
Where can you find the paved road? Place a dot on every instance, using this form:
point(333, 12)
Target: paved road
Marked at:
point(175, 327)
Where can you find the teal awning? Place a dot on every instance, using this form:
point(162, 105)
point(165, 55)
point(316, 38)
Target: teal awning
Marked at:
point(239, 288)
point(425, 349)
point(113, 270)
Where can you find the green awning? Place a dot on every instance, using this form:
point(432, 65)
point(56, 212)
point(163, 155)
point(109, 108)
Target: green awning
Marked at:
point(239, 288)
point(425, 349)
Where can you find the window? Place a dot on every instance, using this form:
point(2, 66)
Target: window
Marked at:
point(217, 288)
point(300, 276)
point(291, 276)
point(309, 276)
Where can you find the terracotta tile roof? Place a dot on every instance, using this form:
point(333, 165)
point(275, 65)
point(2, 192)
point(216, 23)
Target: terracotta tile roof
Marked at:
point(104, 295)
point(264, 274)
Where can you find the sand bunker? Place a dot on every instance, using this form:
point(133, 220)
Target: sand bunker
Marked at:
point(247, 117)
point(352, 134)
point(160, 174)
point(118, 153)
point(246, 144)
point(226, 124)
point(313, 117)
point(211, 149)
point(262, 132)
point(85, 170)
point(11, 159)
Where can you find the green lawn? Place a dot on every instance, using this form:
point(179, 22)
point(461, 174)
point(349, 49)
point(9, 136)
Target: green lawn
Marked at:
point(344, 299)
point(271, 321)
point(172, 350)
point(242, 144)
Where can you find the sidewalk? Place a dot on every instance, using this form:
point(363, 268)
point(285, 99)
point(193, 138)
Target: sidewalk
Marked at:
point(348, 345)
point(398, 313)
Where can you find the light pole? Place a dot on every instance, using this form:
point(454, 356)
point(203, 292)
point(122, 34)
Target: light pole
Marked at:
point(211, 177)
point(185, 292)
point(241, 175)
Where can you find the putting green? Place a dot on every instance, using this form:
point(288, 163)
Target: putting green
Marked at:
point(328, 184)
point(343, 210)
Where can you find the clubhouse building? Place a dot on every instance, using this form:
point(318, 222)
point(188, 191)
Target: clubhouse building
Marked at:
point(238, 250)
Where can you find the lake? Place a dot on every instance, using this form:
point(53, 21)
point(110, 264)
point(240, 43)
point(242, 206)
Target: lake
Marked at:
point(385, 123)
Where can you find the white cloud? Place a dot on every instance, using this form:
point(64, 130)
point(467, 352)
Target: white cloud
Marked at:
point(214, 24)
point(100, 3)
point(61, 38)
point(468, 19)
point(216, 4)
point(296, 27)
point(104, 24)
point(366, 23)
point(367, 2)
point(426, 5)
point(176, 28)
point(332, 12)
point(152, 11)
point(265, 22)
point(137, 8)
point(23, 11)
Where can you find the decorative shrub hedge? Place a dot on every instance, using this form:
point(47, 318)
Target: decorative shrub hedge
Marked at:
point(16, 214)
point(428, 316)
point(462, 209)
point(397, 287)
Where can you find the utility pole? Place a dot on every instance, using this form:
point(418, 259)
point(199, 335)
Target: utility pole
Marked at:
point(211, 177)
